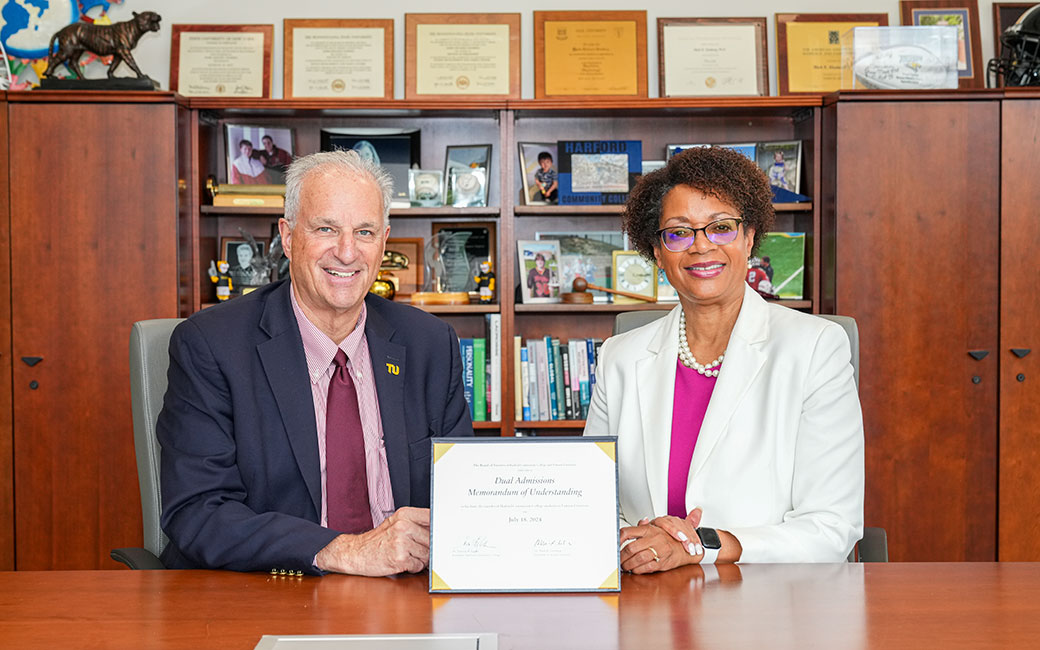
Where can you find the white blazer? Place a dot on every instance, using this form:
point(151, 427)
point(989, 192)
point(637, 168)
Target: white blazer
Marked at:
point(779, 458)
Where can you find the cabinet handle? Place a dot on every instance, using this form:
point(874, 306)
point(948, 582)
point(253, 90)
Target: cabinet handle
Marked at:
point(978, 355)
point(1020, 352)
point(32, 361)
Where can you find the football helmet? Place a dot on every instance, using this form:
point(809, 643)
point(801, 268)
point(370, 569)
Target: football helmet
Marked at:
point(1019, 61)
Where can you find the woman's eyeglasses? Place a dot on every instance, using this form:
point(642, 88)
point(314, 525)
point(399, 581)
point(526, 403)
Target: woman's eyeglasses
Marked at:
point(719, 232)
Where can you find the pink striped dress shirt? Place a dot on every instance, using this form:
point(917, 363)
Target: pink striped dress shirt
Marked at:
point(320, 351)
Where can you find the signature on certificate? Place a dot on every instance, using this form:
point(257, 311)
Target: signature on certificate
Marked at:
point(474, 546)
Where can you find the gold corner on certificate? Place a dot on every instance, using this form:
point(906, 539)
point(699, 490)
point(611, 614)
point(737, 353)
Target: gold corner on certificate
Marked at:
point(214, 64)
point(338, 61)
point(711, 60)
point(591, 58)
point(462, 59)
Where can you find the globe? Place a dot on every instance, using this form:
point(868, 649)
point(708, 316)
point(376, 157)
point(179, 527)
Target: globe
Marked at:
point(26, 26)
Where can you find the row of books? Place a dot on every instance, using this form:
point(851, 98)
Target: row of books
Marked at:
point(556, 378)
point(482, 371)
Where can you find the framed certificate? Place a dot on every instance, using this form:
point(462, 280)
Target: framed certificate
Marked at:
point(808, 49)
point(962, 14)
point(455, 56)
point(524, 514)
point(338, 58)
point(221, 60)
point(712, 56)
point(589, 54)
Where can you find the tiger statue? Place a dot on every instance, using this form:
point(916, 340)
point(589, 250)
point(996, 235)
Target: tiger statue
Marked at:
point(103, 40)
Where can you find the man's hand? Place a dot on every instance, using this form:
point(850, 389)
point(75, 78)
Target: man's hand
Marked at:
point(401, 543)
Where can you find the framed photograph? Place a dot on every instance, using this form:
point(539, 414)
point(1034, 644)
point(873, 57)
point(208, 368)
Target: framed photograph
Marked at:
point(467, 170)
point(425, 188)
point(539, 263)
point(395, 149)
point(962, 14)
point(665, 291)
point(338, 58)
point(700, 57)
point(782, 163)
point(598, 172)
point(539, 174)
point(590, 54)
point(781, 256)
point(403, 258)
point(221, 60)
point(468, 245)
point(240, 255)
point(257, 155)
point(587, 255)
point(749, 149)
point(808, 49)
point(1006, 14)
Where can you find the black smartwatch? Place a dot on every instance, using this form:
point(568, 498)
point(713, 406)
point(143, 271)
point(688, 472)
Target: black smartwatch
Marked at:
point(711, 543)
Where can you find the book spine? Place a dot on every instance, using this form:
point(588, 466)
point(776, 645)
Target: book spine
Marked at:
point(466, 350)
point(479, 380)
point(523, 384)
point(519, 383)
point(542, 379)
point(552, 365)
point(590, 355)
point(584, 392)
point(495, 353)
point(565, 362)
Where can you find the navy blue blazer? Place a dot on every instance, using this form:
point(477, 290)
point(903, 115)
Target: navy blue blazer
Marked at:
point(240, 476)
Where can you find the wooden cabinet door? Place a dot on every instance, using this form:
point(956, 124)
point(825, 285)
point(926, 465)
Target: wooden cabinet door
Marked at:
point(6, 440)
point(1019, 531)
point(93, 249)
point(917, 258)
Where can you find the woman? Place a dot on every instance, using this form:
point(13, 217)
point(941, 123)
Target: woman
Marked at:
point(730, 412)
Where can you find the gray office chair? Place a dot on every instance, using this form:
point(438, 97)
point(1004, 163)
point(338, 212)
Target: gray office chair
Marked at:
point(149, 361)
point(874, 545)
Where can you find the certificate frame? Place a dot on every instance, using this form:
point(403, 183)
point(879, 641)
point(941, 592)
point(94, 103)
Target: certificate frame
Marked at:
point(412, 55)
point(544, 69)
point(1005, 14)
point(289, 26)
point(442, 446)
point(925, 12)
point(783, 43)
point(760, 72)
point(178, 30)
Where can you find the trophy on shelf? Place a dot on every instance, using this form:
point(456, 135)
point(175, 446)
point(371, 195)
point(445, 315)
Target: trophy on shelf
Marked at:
point(447, 270)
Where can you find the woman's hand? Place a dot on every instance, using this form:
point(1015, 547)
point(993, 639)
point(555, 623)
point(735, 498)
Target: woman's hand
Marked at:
point(650, 549)
point(683, 531)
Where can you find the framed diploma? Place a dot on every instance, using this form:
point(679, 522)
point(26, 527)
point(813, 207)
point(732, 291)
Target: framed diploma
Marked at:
point(457, 56)
point(589, 54)
point(962, 14)
point(520, 514)
point(808, 49)
point(221, 60)
point(338, 58)
point(712, 56)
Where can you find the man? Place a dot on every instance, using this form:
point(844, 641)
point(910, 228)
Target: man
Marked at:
point(275, 160)
point(242, 273)
point(247, 425)
point(246, 170)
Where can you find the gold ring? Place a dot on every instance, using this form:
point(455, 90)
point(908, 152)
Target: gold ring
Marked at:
point(656, 557)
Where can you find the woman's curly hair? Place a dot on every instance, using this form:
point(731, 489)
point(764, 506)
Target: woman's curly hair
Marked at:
point(720, 172)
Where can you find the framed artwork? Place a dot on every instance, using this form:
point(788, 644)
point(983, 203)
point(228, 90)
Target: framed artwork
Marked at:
point(338, 58)
point(462, 56)
point(587, 255)
point(240, 256)
point(425, 188)
point(598, 172)
point(403, 258)
point(257, 155)
point(467, 170)
point(539, 263)
point(539, 173)
point(712, 56)
point(221, 60)
point(782, 163)
point(590, 54)
point(1006, 14)
point(463, 247)
point(962, 14)
point(808, 49)
point(395, 149)
point(634, 274)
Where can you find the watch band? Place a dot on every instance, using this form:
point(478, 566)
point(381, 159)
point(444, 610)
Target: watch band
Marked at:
point(710, 555)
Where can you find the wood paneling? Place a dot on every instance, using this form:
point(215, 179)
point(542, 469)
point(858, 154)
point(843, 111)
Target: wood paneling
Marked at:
point(918, 254)
point(1019, 532)
point(6, 434)
point(93, 249)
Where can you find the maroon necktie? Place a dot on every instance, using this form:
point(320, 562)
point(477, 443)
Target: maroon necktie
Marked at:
point(346, 481)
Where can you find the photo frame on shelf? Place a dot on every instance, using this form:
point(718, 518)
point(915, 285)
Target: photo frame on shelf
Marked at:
point(699, 57)
point(338, 57)
point(782, 163)
point(425, 188)
point(665, 291)
point(462, 56)
point(962, 14)
point(588, 255)
point(598, 172)
point(1006, 14)
point(395, 149)
point(749, 149)
point(539, 265)
point(539, 173)
point(221, 60)
point(471, 243)
point(591, 55)
point(808, 49)
point(781, 256)
point(403, 259)
point(258, 155)
point(240, 255)
point(467, 172)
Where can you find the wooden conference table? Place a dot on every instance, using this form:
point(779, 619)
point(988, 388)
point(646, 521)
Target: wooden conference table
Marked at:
point(773, 606)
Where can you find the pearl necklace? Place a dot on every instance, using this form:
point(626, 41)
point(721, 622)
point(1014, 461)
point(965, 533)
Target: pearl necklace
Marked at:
point(686, 357)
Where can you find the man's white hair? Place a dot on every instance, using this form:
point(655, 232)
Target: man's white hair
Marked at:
point(347, 161)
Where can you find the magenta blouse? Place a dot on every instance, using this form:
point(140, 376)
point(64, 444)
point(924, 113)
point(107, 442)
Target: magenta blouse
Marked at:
point(692, 394)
